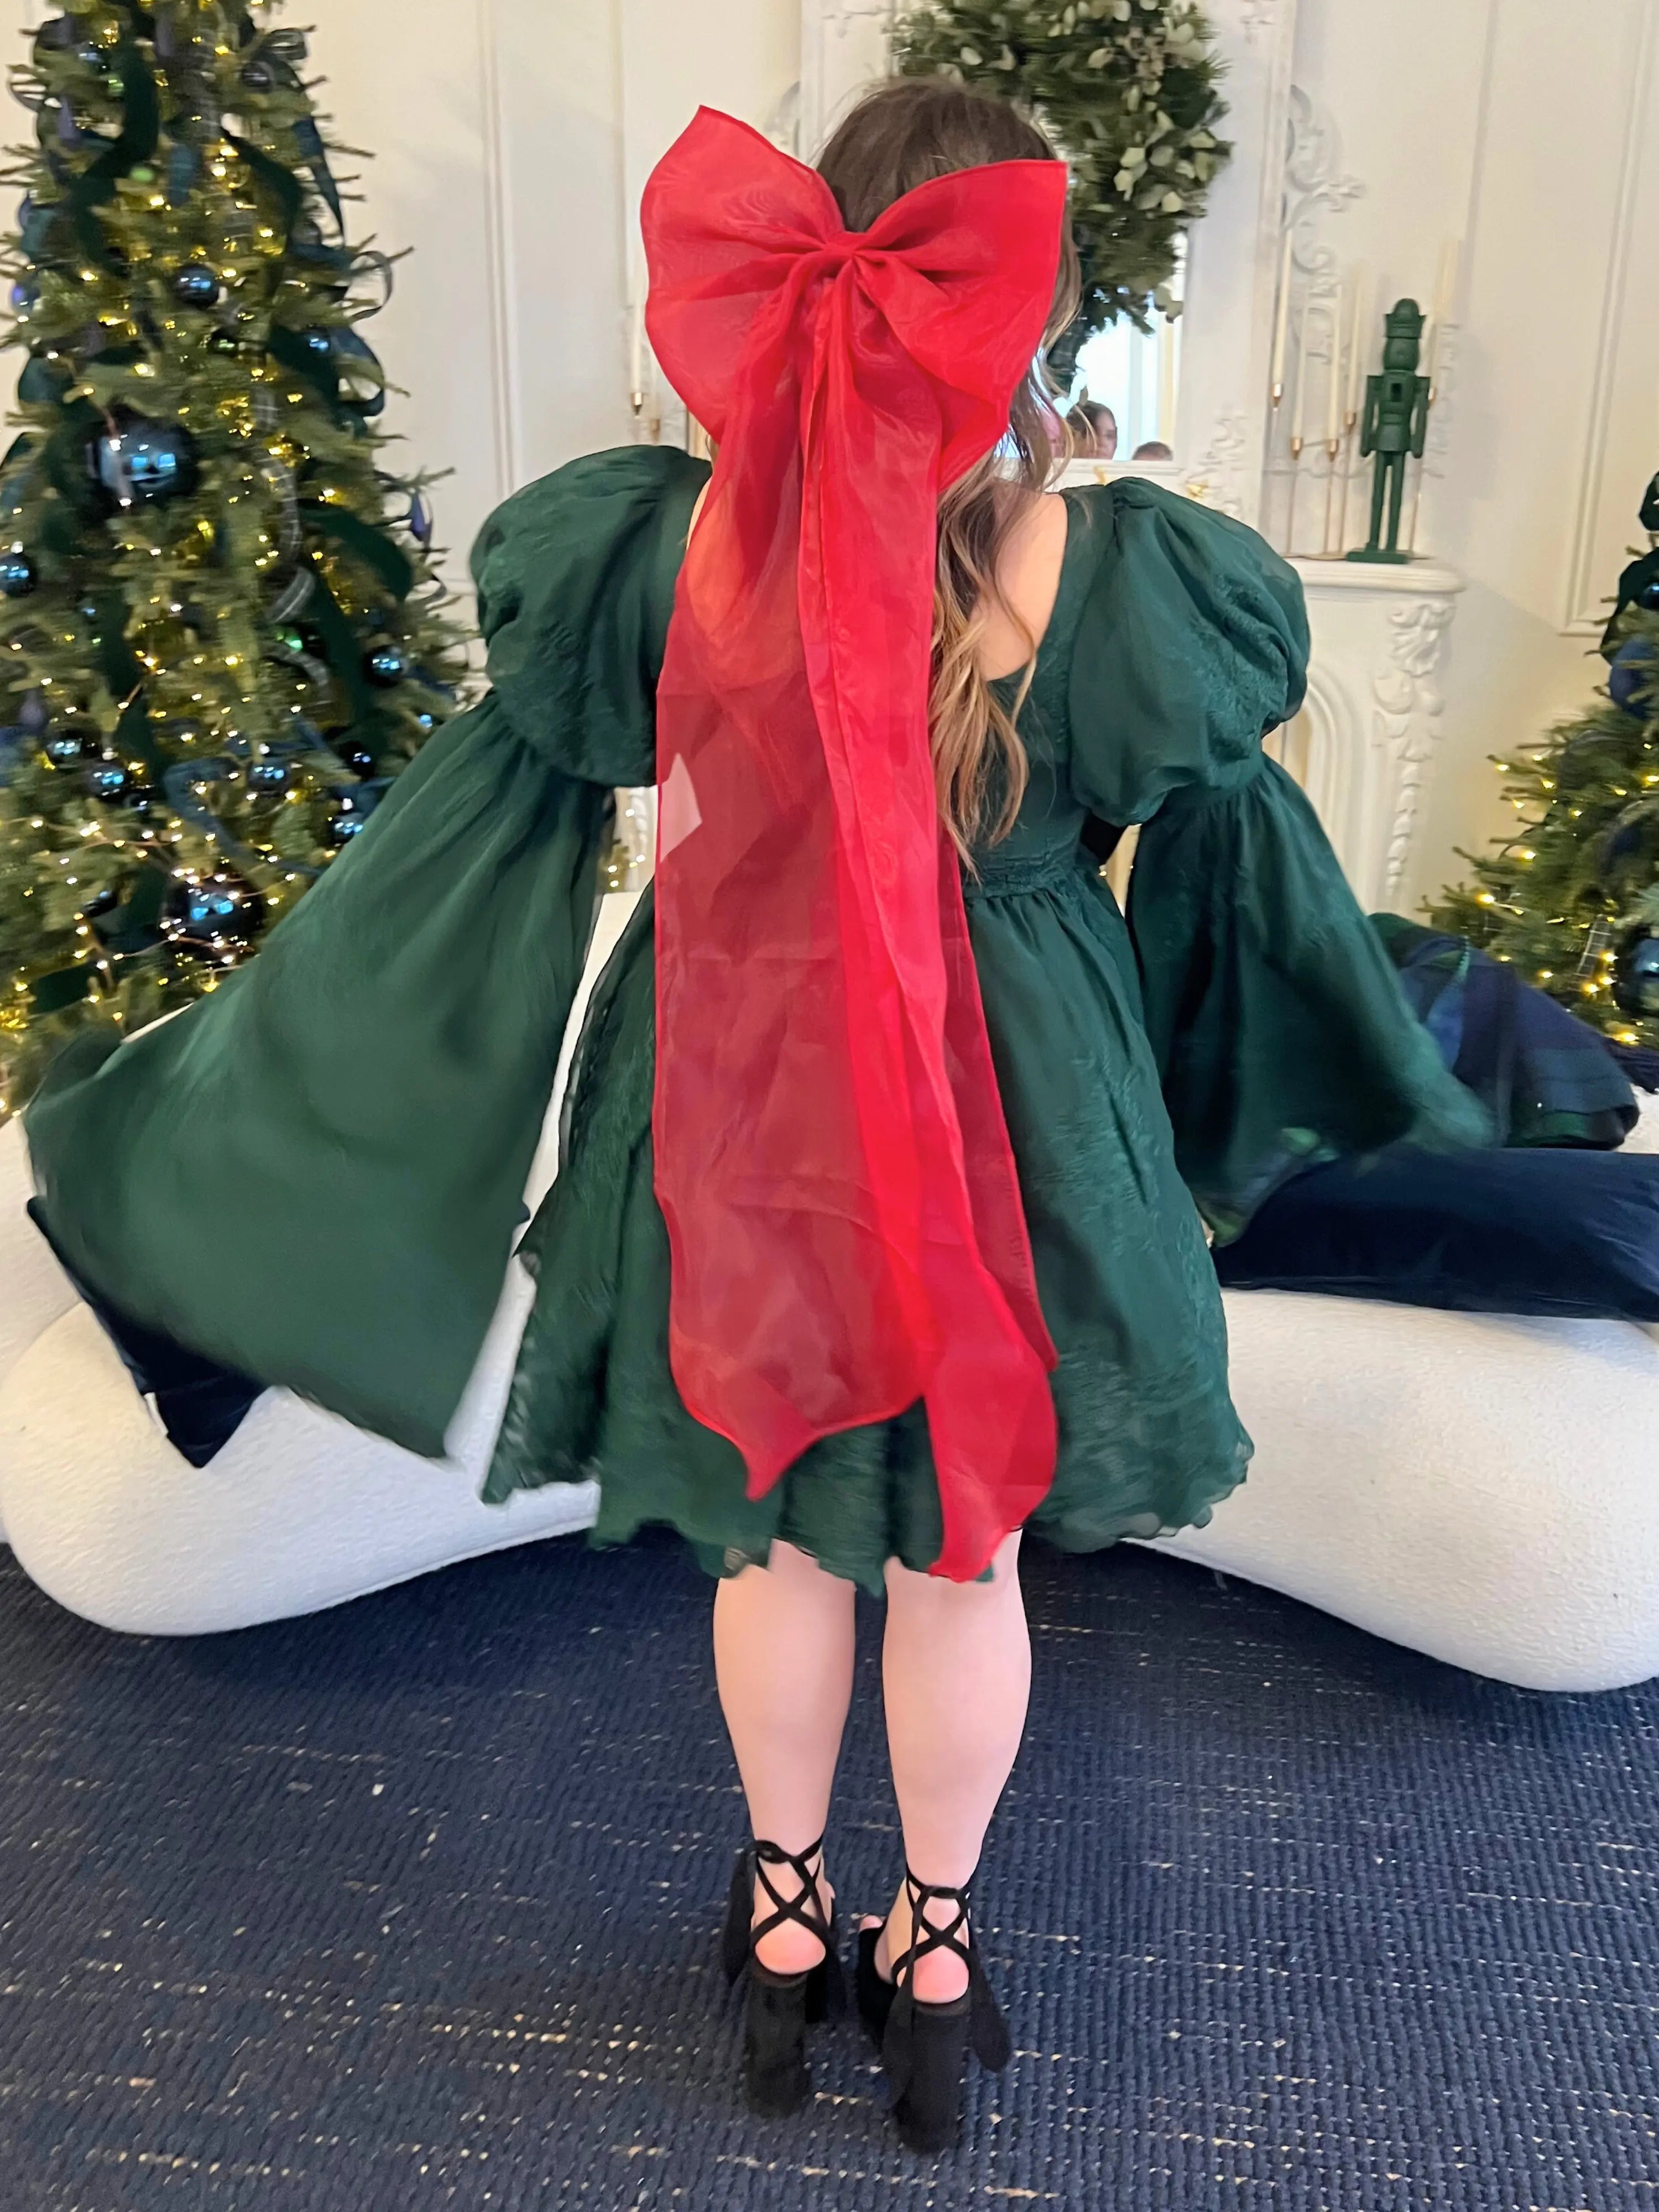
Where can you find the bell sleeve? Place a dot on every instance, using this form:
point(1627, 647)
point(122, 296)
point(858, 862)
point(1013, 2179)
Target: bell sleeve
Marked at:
point(1280, 1031)
point(314, 1174)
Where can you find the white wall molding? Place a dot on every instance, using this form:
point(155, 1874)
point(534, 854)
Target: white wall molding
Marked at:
point(1587, 580)
point(501, 259)
point(843, 44)
point(1316, 184)
point(1218, 476)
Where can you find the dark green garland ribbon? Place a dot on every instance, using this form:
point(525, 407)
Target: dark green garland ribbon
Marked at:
point(322, 370)
point(140, 135)
point(371, 546)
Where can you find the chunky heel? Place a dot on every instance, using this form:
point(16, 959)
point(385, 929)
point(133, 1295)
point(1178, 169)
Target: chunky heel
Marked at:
point(779, 2008)
point(924, 2047)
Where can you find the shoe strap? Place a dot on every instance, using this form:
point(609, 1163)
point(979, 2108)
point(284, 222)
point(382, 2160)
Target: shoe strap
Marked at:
point(988, 2028)
point(804, 1908)
point(925, 1935)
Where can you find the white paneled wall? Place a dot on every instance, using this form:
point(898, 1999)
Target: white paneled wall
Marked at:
point(512, 138)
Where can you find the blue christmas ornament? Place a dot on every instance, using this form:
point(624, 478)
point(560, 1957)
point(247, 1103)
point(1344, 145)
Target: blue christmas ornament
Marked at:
point(1632, 678)
point(387, 664)
point(24, 296)
point(108, 780)
point(320, 342)
point(1636, 975)
point(36, 224)
point(141, 461)
point(18, 575)
point(420, 519)
point(351, 815)
point(220, 911)
point(72, 743)
point(195, 286)
point(32, 714)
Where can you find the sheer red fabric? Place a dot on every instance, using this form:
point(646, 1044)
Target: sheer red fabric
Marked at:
point(832, 1160)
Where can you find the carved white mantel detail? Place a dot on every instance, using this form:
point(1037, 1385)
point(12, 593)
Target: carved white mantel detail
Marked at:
point(1365, 744)
point(1408, 710)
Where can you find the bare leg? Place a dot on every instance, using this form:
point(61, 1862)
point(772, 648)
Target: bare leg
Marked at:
point(957, 1676)
point(783, 1659)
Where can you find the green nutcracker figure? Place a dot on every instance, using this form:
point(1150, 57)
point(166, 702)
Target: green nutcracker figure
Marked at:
point(1395, 421)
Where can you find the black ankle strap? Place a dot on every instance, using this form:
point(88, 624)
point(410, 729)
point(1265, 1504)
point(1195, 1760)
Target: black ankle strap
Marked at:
point(987, 2030)
point(924, 1936)
point(805, 1908)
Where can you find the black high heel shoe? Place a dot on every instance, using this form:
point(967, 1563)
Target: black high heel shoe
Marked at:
point(780, 2006)
point(924, 2047)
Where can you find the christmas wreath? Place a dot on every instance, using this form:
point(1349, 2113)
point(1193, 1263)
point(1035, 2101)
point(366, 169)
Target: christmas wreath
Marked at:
point(1128, 90)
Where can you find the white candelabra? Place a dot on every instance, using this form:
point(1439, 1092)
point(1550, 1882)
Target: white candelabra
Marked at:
point(1347, 315)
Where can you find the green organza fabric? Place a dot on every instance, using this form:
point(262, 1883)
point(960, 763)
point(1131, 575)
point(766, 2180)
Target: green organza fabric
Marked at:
point(314, 1176)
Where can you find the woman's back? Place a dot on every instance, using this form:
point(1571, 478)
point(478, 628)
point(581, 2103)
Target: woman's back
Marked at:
point(1028, 571)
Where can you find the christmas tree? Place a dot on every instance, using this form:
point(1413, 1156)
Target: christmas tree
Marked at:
point(220, 608)
point(1571, 894)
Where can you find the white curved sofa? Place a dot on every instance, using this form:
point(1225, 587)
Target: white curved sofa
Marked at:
point(1483, 1489)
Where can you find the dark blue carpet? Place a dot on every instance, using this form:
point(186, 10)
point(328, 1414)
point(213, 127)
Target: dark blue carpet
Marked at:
point(414, 1904)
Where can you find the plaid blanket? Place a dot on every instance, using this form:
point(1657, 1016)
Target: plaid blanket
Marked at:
point(1545, 1076)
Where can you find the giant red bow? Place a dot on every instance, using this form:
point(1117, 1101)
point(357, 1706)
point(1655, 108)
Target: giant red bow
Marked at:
point(832, 1157)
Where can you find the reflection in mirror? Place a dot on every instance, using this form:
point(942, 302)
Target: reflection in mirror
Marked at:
point(1123, 398)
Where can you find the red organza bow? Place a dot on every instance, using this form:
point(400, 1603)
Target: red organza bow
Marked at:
point(831, 1156)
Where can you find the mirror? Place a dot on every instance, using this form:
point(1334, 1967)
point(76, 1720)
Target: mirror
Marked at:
point(1123, 396)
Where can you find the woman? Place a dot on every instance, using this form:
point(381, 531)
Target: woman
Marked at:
point(1093, 429)
point(874, 1238)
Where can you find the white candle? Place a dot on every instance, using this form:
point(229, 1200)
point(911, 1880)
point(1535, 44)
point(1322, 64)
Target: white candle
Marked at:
point(1279, 326)
point(1334, 378)
point(1361, 290)
point(1299, 422)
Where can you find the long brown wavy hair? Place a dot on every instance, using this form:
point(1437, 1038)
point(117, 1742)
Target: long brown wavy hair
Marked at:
point(906, 130)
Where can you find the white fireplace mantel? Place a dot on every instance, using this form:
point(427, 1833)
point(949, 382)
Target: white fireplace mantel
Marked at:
point(1364, 744)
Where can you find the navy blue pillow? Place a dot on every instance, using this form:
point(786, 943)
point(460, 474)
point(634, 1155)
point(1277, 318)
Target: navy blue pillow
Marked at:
point(200, 1406)
point(1535, 1232)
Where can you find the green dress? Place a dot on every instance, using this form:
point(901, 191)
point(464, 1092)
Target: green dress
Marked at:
point(314, 1176)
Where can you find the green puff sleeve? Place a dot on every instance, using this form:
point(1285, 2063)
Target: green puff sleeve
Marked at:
point(1280, 1031)
point(314, 1174)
